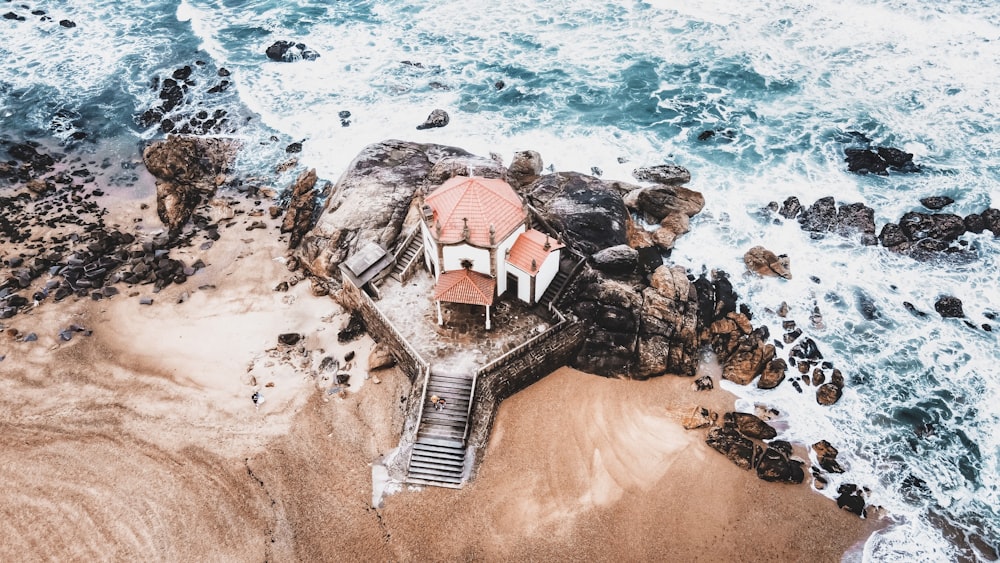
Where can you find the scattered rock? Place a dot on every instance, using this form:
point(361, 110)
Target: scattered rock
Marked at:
point(704, 383)
point(730, 443)
point(828, 394)
point(936, 203)
point(437, 118)
point(766, 263)
point(776, 466)
point(667, 174)
point(827, 455)
point(949, 307)
point(353, 330)
point(850, 498)
point(750, 425)
point(289, 51)
point(289, 338)
point(380, 357)
point(773, 374)
point(301, 208)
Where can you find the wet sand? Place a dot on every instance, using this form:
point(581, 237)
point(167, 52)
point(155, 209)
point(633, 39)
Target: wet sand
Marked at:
point(140, 442)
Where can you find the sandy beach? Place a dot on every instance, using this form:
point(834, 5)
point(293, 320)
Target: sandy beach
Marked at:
point(140, 441)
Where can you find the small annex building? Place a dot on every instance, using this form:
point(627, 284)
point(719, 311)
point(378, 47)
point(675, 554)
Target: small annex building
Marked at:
point(478, 245)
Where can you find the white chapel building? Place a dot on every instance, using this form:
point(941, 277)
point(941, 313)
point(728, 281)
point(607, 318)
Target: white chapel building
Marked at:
point(478, 246)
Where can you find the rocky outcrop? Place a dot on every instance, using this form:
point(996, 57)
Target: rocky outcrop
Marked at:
point(763, 262)
point(611, 310)
point(587, 211)
point(878, 160)
point(667, 174)
point(751, 425)
point(937, 202)
point(922, 235)
point(773, 374)
point(301, 208)
point(188, 170)
point(369, 203)
point(827, 456)
point(828, 394)
point(657, 202)
point(728, 441)
point(437, 118)
point(777, 466)
point(743, 350)
point(289, 52)
point(824, 216)
point(668, 339)
point(736, 440)
point(525, 168)
point(465, 165)
point(380, 357)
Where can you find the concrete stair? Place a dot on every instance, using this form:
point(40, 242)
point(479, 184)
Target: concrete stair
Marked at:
point(558, 282)
point(438, 456)
point(409, 254)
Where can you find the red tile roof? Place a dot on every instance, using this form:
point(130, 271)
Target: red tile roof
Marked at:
point(478, 203)
point(465, 286)
point(530, 245)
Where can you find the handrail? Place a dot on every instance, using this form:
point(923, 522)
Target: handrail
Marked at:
point(530, 342)
point(468, 409)
point(406, 242)
point(426, 369)
point(410, 266)
point(569, 278)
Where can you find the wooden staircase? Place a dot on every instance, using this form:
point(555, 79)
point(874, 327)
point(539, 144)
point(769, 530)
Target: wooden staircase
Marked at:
point(405, 258)
point(438, 456)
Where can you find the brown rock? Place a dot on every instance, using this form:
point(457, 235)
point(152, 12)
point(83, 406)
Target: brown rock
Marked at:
point(827, 455)
point(667, 334)
point(525, 168)
point(837, 378)
point(730, 443)
point(775, 466)
point(748, 360)
point(301, 208)
point(773, 374)
point(766, 263)
point(751, 426)
point(828, 394)
point(380, 358)
point(660, 201)
point(700, 417)
point(187, 170)
point(819, 377)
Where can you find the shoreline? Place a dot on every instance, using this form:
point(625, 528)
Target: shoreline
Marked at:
point(144, 426)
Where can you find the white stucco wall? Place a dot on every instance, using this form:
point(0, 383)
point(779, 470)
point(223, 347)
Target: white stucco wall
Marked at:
point(502, 249)
point(454, 254)
point(523, 283)
point(548, 271)
point(430, 250)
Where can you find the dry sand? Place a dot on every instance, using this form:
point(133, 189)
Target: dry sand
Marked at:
point(140, 442)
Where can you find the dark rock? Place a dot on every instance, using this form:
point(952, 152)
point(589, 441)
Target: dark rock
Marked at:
point(182, 74)
point(821, 216)
point(437, 118)
point(342, 378)
point(776, 467)
point(827, 455)
point(938, 226)
point(730, 443)
point(354, 329)
point(863, 161)
point(667, 174)
point(706, 135)
point(949, 307)
point(750, 425)
point(856, 218)
point(974, 223)
point(289, 338)
point(806, 349)
point(289, 51)
point(850, 498)
point(791, 208)
point(67, 23)
point(991, 217)
point(897, 159)
point(301, 208)
point(588, 212)
point(294, 148)
point(349, 356)
point(828, 394)
point(621, 259)
point(936, 203)
point(892, 237)
point(866, 305)
point(704, 383)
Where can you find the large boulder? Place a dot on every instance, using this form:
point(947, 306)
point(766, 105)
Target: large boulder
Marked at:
point(437, 118)
point(751, 425)
point(765, 263)
point(668, 330)
point(301, 208)
point(827, 456)
point(777, 467)
point(621, 259)
point(525, 168)
point(188, 170)
point(587, 211)
point(611, 311)
point(369, 203)
point(773, 374)
point(848, 220)
point(949, 306)
point(667, 174)
point(728, 441)
point(659, 201)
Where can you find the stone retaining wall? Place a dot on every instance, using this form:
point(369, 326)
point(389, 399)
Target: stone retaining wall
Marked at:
point(514, 372)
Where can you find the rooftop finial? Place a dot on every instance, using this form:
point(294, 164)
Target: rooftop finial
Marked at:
point(548, 245)
point(493, 235)
point(465, 228)
point(534, 265)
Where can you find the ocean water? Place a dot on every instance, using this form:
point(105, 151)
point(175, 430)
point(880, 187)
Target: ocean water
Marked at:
point(609, 85)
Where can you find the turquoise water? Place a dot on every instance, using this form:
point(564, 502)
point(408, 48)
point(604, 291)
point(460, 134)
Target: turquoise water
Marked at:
point(619, 85)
